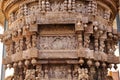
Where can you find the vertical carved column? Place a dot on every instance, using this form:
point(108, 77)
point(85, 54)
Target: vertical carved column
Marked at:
point(28, 42)
point(39, 71)
point(80, 40)
point(8, 50)
point(69, 74)
point(79, 30)
point(17, 46)
point(102, 46)
point(11, 18)
point(86, 40)
point(39, 5)
point(65, 5)
point(69, 5)
point(73, 5)
point(21, 45)
point(108, 47)
point(46, 73)
point(92, 73)
point(34, 40)
point(12, 48)
point(48, 5)
point(96, 41)
point(75, 72)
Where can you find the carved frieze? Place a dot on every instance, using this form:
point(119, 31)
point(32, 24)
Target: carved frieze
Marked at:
point(58, 42)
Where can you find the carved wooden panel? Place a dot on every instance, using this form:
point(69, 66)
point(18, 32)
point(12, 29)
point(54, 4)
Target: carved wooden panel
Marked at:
point(58, 42)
